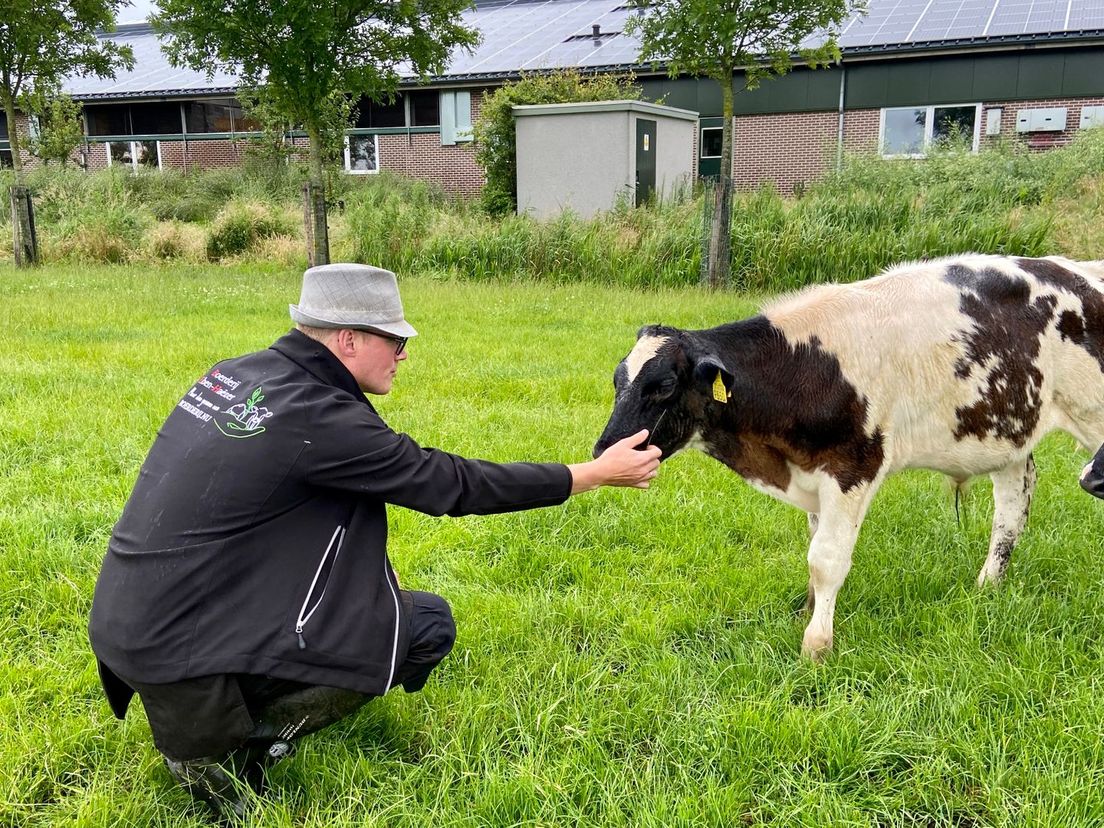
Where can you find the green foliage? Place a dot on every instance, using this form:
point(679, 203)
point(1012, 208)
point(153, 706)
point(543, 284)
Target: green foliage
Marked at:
point(302, 62)
point(871, 214)
point(387, 221)
point(494, 133)
point(60, 128)
point(239, 226)
point(714, 38)
point(41, 41)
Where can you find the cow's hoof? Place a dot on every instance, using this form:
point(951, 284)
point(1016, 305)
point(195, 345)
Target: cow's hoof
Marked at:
point(989, 580)
point(816, 648)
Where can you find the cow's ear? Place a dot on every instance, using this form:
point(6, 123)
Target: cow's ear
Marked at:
point(707, 368)
point(648, 330)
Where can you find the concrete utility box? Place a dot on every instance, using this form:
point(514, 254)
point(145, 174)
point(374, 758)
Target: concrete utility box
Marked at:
point(585, 156)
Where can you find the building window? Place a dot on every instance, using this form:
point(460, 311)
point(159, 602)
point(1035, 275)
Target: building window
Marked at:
point(425, 107)
point(455, 111)
point(361, 156)
point(381, 114)
point(145, 154)
point(112, 119)
point(911, 130)
point(711, 142)
point(155, 119)
point(210, 116)
point(5, 144)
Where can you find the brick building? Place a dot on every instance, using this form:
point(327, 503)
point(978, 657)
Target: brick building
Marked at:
point(911, 73)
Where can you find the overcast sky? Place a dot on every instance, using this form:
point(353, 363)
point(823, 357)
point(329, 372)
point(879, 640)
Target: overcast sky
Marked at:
point(137, 11)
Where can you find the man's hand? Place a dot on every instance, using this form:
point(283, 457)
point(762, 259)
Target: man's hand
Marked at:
point(622, 464)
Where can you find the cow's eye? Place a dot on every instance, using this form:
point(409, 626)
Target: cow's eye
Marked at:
point(659, 389)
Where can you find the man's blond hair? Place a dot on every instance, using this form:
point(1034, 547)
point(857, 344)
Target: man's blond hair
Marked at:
point(323, 335)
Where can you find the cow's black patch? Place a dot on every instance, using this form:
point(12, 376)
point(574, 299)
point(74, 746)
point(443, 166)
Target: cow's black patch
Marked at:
point(791, 403)
point(1087, 330)
point(1004, 342)
point(1072, 327)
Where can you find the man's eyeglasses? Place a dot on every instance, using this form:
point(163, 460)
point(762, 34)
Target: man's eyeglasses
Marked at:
point(400, 343)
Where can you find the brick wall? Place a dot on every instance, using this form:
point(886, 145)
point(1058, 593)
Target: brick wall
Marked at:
point(1039, 140)
point(421, 156)
point(786, 150)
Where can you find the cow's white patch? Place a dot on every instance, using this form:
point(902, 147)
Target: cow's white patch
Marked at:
point(643, 351)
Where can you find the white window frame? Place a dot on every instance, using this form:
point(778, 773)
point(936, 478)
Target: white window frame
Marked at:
point(133, 152)
point(929, 128)
point(349, 160)
point(701, 141)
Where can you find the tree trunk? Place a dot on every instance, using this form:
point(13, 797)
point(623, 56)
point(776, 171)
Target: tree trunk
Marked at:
point(25, 240)
point(314, 205)
point(720, 235)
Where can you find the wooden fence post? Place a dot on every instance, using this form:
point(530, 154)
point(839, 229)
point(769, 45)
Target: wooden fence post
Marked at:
point(314, 223)
point(24, 238)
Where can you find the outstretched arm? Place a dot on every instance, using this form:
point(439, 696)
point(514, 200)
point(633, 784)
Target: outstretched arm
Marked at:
point(622, 464)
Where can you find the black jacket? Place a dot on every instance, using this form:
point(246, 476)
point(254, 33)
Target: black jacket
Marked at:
point(255, 538)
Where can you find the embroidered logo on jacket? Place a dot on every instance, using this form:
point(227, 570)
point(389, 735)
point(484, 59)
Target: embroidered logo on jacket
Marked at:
point(244, 419)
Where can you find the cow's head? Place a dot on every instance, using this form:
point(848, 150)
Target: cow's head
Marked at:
point(664, 385)
point(1092, 476)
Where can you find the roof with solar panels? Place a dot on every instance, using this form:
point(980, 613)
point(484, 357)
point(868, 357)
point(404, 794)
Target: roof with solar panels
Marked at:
point(532, 35)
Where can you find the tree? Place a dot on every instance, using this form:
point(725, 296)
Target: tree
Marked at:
point(42, 41)
point(59, 126)
point(305, 57)
point(715, 38)
point(496, 136)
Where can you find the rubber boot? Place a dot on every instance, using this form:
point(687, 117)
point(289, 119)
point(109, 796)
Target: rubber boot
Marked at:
point(214, 781)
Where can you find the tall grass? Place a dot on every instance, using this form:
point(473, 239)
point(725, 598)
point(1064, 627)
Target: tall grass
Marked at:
point(856, 221)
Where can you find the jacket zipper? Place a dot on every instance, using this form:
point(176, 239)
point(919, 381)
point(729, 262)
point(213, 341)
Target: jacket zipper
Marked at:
point(398, 619)
point(305, 615)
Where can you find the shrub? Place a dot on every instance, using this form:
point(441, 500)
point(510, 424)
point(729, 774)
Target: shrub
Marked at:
point(175, 240)
point(239, 225)
point(495, 136)
point(110, 234)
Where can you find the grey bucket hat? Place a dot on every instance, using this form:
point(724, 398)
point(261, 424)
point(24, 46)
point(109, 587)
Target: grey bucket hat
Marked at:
point(351, 296)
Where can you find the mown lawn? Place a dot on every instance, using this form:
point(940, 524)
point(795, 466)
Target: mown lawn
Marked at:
point(630, 659)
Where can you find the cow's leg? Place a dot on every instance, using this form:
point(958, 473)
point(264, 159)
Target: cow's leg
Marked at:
point(841, 515)
point(810, 596)
point(1012, 489)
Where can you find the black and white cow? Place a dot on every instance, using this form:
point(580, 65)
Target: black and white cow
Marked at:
point(960, 365)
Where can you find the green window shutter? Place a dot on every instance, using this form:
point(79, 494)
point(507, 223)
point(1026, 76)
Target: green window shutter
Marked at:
point(455, 111)
point(448, 118)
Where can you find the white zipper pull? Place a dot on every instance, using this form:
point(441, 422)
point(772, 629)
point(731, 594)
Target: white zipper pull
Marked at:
point(299, 632)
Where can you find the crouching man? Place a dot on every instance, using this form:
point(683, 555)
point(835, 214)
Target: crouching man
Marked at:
point(246, 596)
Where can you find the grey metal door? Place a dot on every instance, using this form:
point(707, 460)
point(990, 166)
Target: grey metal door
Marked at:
point(645, 159)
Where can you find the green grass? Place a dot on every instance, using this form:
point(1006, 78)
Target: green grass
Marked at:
point(630, 659)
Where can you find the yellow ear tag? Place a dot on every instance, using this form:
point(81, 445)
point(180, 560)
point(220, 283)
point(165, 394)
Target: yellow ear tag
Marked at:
point(720, 393)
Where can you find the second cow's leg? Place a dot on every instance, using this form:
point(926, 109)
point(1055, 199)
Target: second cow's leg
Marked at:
point(810, 596)
point(1012, 489)
point(841, 515)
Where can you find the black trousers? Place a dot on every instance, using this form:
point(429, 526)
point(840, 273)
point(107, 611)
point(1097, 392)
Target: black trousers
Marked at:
point(213, 715)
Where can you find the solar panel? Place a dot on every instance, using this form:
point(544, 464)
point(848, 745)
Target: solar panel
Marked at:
point(531, 34)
